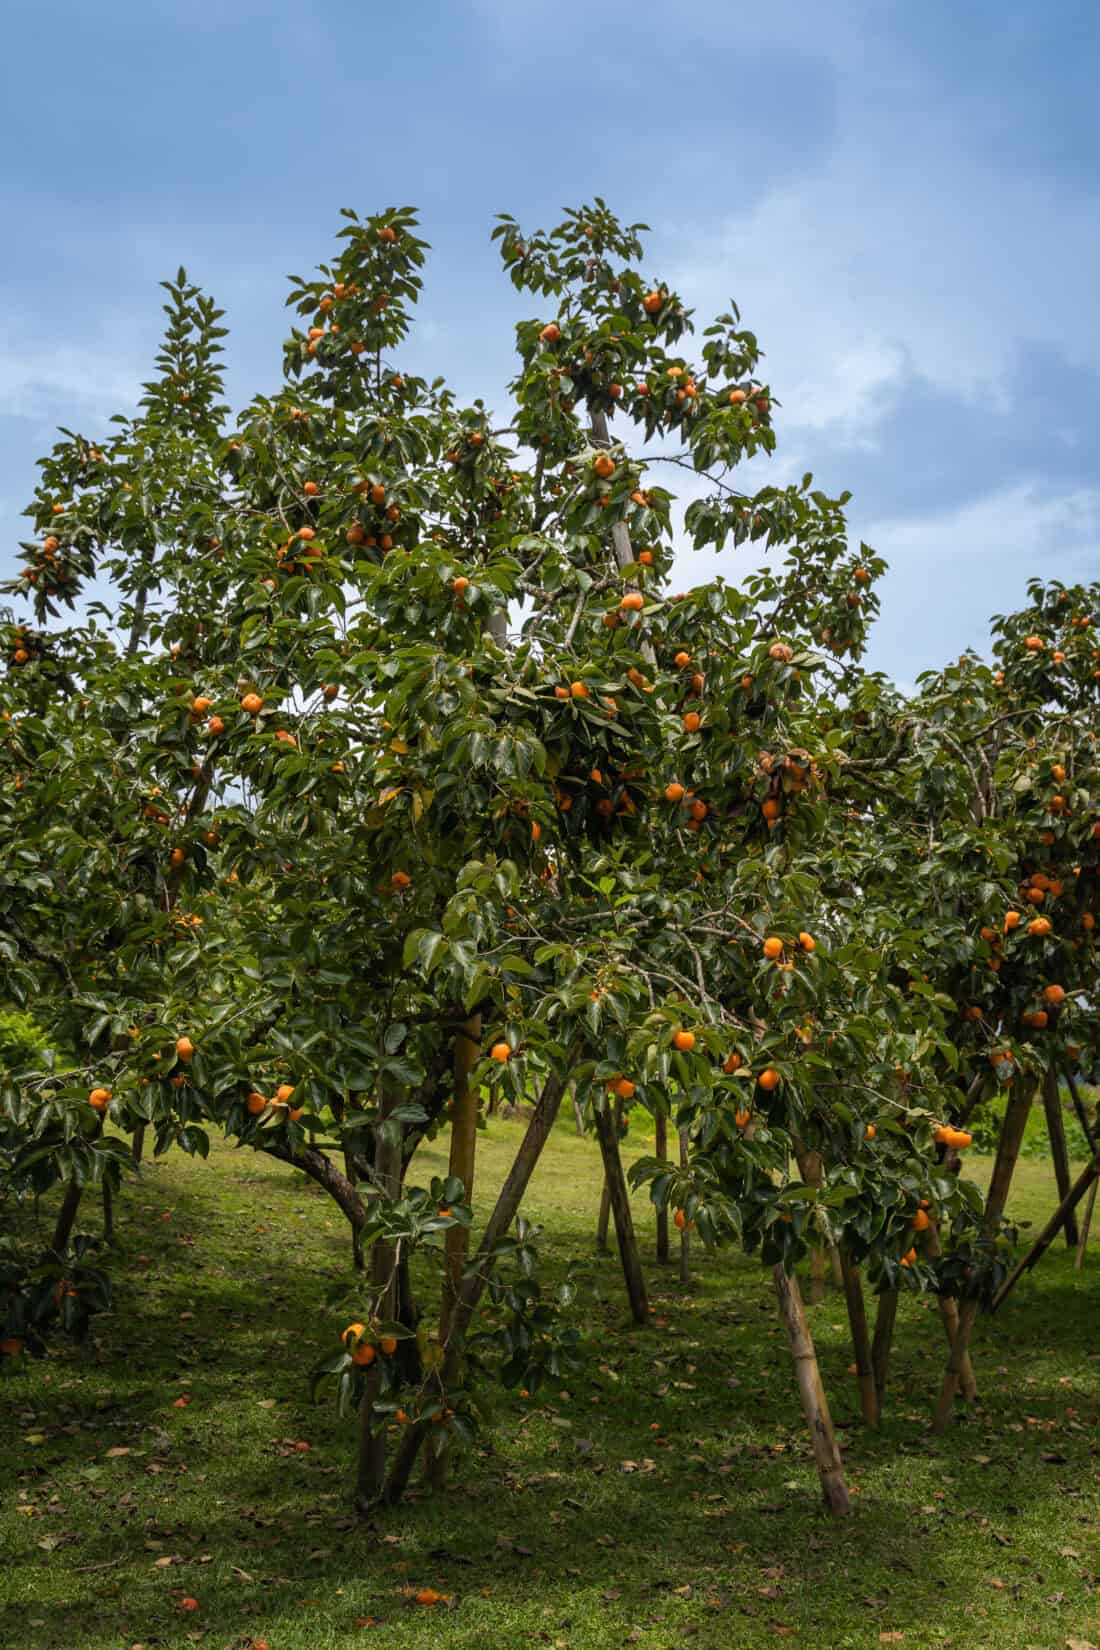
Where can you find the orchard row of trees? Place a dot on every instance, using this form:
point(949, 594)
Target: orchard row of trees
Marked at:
point(359, 763)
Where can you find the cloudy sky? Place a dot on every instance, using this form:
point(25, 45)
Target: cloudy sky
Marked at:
point(903, 200)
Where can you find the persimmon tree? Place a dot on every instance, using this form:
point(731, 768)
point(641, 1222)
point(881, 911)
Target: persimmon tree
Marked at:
point(381, 769)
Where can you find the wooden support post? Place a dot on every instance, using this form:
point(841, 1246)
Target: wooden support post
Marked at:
point(685, 1235)
point(504, 1212)
point(607, 1133)
point(1085, 1180)
point(815, 1405)
point(603, 1219)
point(384, 1259)
point(861, 1341)
point(949, 1317)
point(1052, 1105)
point(1086, 1223)
point(1008, 1151)
point(660, 1149)
point(456, 1240)
point(883, 1341)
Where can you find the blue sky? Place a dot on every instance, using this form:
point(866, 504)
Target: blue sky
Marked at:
point(902, 199)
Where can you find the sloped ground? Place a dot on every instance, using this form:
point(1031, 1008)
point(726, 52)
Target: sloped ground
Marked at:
point(666, 1498)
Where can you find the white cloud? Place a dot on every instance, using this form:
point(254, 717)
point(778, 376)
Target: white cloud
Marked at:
point(67, 384)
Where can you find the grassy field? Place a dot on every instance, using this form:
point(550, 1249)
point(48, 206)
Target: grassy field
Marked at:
point(666, 1499)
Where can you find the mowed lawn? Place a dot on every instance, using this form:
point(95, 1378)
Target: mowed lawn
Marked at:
point(666, 1497)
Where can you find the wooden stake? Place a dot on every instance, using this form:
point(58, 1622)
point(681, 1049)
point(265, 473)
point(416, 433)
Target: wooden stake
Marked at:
point(371, 1471)
point(607, 1133)
point(456, 1240)
point(603, 1219)
point(815, 1405)
point(685, 1235)
point(660, 1149)
point(1083, 1240)
point(861, 1342)
point(1052, 1105)
point(1008, 1151)
point(1085, 1180)
point(504, 1212)
point(883, 1341)
point(949, 1317)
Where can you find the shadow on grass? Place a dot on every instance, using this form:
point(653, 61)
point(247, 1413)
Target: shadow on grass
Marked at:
point(678, 1461)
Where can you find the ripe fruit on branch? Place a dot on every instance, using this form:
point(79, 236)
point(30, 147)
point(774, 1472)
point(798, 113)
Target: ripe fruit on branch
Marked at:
point(768, 1079)
point(501, 1052)
point(674, 792)
point(781, 651)
point(604, 466)
point(99, 1099)
point(692, 721)
point(773, 947)
point(632, 602)
point(252, 703)
point(683, 1040)
point(185, 1048)
point(550, 333)
point(653, 302)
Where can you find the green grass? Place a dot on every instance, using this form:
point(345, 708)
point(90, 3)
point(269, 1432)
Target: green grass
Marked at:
point(574, 1525)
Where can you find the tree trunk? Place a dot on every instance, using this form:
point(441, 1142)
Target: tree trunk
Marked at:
point(66, 1217)
point(504, 1212)
point(949, 1317)
point(883, 1341)
point(1090, 1131)
point(578, 1118)
point(456, 1241)
point(1083, 1240)
point(861, 1341)
point(815, 1405)
point(685, 1235)
point(356, 1235)
point(384, 1259)
point(137, 1145)
point(811, 1168)
point(1052, 1105)
point(607, 1133)
point(660, 1149)
point(603, 1219)
point(108, 1212)
point(1008, 1151)
point(1084, 1182)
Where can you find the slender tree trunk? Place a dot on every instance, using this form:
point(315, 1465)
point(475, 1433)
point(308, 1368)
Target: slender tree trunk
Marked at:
point(1086, 1223)
point(811, 1168)
point(685, 1235)
point(456, 1242)
point(949, 1317)
point(861, 1340)
point(108, 1212)
point(352, 1176)
point(1052, 1105)
point(66, 1216)
point(1008, 1151)
point(603, 1219)
point(1090, 1131)
point(1084, 1183)
point(137, 1145)
point(660, 1149)
point(607, 1133)
point(504, 1212)
point(815, 1405)
point(578, 1118)
point(883, 1341)
point(384, 1261)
